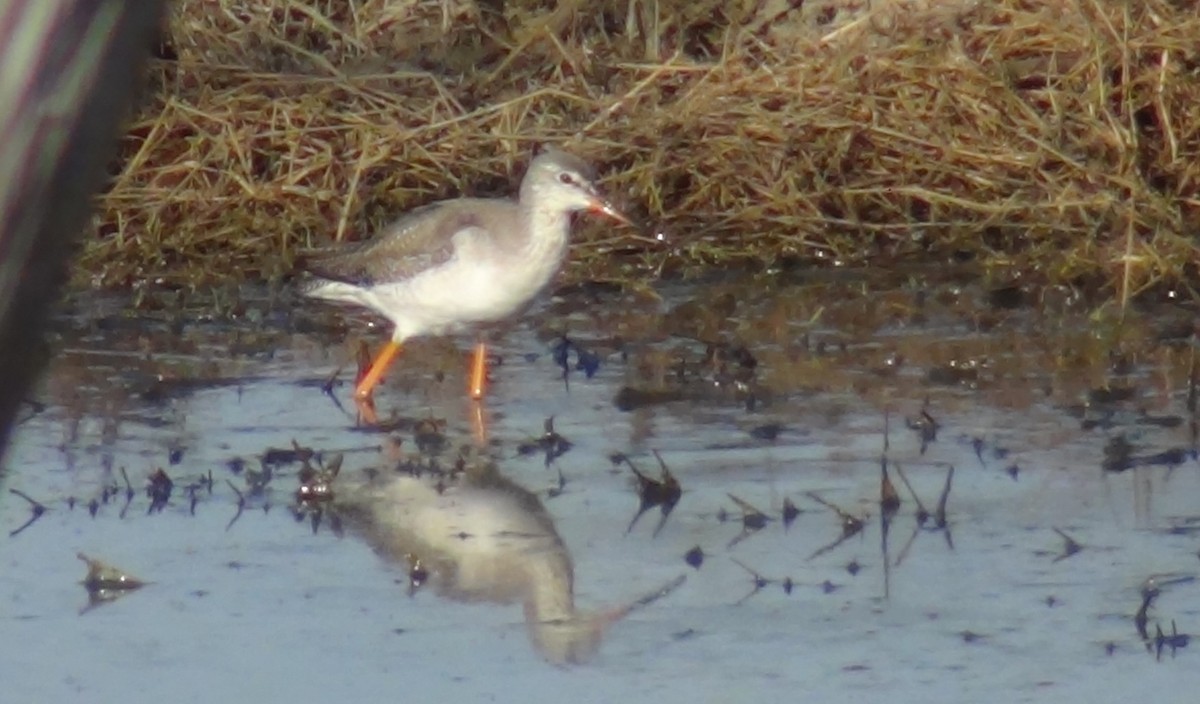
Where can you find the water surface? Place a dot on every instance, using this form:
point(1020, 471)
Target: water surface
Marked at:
point(462, 561)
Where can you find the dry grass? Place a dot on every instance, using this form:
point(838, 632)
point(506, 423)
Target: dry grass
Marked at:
point(1056, 141)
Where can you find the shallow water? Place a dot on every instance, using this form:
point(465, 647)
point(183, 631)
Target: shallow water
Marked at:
point(537, 583)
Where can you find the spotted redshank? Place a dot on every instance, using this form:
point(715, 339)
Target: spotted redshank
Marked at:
point(458, 263)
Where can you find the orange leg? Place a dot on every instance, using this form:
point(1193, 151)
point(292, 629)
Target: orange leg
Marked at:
point(478, 425)
point(478, 371)
point(366, 411)
point(363, 360)
point(366, 385)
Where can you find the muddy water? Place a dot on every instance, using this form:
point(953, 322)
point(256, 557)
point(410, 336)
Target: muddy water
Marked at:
point(1043, 454)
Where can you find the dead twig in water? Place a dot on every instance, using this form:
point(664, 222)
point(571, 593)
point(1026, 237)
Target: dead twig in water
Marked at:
point(36, 509)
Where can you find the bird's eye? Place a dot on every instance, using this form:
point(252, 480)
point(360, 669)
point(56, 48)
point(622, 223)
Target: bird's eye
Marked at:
point(566, 178)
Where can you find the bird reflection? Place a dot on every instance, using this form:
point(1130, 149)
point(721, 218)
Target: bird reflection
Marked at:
point(476, 536)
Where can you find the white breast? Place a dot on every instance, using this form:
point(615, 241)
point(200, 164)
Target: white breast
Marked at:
point(482, 282)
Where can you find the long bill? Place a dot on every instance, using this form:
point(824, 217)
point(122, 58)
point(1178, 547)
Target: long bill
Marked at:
point(603, 207)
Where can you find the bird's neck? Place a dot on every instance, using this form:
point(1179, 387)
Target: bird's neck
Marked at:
point(549, 230)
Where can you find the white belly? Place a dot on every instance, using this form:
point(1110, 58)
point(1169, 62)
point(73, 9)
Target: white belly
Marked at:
point(457, 294)
point(482, 282)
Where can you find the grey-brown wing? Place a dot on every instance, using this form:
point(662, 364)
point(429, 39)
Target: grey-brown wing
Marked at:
point(421, 239)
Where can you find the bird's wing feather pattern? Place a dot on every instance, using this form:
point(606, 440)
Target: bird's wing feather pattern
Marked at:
point(422, 239)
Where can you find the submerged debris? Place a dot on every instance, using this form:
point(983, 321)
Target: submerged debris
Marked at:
point(129, 492)
point(759, 582)
point(192, 490)
point(315, 495)
point(105, 583)
point(926, 428)
point(36, 509)
point(789, 512)
point(630, 398)
point(1150, 591)
point(889, 500)
point(551, 443)
point(276, 456)
point(767, 431)
point(257, 481)
point(586, 360)
point(851, 525)
point(753, 520)
point(922, 513)
point(1119, 456)
point(316, 483)
point(664, 493)
point(241, 505)
point(939, 514)
point(730, 364)
point(1173, 640)
point(158, 490)
point(963, 373)
point(1070, 546)
point(418, 574)
point(430, 436)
